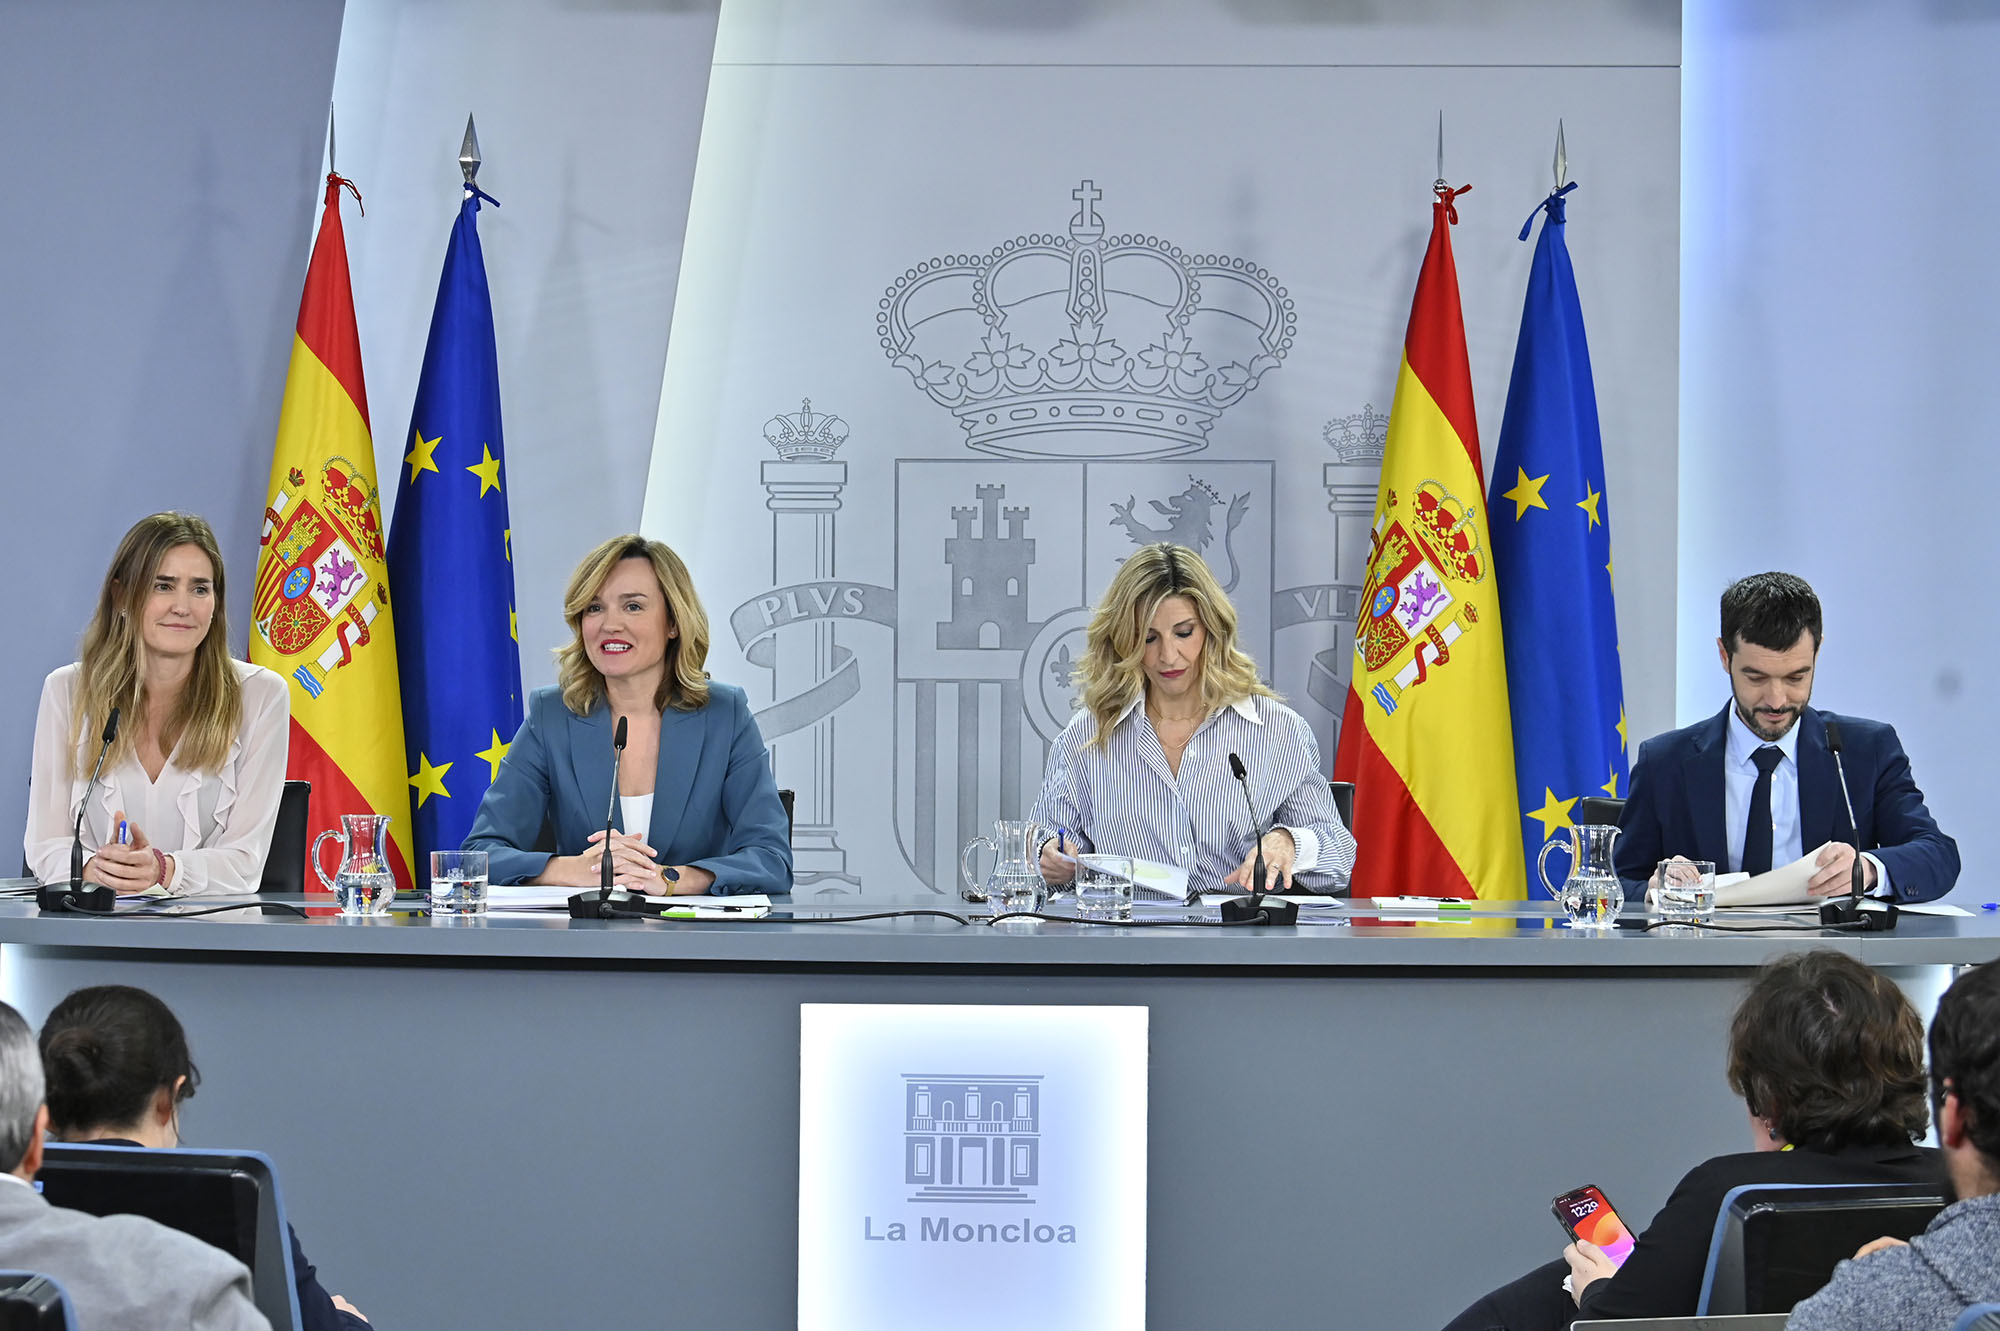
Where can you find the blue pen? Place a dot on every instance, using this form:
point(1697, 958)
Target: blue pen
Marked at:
point(124, 833)
point(1062, 845)
point(1991, 905)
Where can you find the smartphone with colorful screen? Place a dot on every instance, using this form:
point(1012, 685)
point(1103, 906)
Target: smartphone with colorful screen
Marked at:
point(1586, 1214)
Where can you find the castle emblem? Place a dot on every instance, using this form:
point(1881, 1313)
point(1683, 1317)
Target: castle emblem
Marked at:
point(1420, 569)
point(989, 574)
point(1086, 344)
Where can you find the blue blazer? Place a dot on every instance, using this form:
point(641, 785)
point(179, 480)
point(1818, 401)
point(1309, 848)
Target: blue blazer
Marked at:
point(1677, 805)
point(715, 802)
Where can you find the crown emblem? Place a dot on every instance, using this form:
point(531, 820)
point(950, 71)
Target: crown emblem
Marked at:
point(805, 435)
point(1125, 337)
point(1448, 523)
point(1362, 437)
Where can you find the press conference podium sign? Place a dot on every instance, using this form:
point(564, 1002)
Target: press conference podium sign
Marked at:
point(973, 1167)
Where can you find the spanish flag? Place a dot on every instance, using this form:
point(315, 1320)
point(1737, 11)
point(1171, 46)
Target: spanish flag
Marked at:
point(1426, 738)
point(321, 601)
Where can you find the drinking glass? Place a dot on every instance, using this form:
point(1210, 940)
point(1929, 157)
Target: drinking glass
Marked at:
point(458, 882)
point(1104, 887)
point(1687, 890)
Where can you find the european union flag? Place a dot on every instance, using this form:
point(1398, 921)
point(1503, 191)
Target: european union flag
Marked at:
point(1551, 529)
point(451, 570)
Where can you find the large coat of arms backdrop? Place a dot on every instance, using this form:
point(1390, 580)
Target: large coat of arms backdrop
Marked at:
point(951, 340)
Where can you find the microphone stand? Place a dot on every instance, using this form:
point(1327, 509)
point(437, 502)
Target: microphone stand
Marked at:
point(1848, 914)
point(97, 900)
point(1259, 905)
point(608, 901)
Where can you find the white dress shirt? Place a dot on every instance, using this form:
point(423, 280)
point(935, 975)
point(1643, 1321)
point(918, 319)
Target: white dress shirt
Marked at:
point(216, 825)
point(1123, 799)
point(1739, 779)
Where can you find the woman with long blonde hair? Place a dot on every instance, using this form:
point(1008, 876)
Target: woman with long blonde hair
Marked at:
point(1144, 768)
point(697, 807)
point(192, 779)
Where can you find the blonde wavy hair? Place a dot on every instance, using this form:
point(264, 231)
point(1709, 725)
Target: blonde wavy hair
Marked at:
point(684, 686)
point(208, 712)
point(1112, 670)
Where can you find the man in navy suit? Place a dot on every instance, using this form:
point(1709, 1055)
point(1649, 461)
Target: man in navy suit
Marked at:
point(1755, 786)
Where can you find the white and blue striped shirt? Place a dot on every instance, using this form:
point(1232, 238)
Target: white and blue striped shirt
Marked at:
point(1123, 798)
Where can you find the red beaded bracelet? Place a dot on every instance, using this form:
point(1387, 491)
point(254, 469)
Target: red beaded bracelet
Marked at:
point(160, 857)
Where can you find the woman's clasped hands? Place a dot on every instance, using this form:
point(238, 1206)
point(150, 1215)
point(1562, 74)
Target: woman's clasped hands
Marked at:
point(633, 866)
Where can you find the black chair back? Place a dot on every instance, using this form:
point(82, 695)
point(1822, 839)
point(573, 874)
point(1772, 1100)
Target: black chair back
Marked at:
point(1343, 801)
point(1776, 1245)
point(1599, 811)
point(285, 865)
point(785, 797)
point(227, 1199)
point(33, 1302)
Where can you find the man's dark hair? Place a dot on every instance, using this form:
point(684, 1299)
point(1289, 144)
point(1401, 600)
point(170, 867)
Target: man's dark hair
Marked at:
point(107, 1052)
point(1830, 1052)
point(1965, 1051)
point(1769, 610)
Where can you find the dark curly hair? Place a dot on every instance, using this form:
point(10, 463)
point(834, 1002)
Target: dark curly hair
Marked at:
point(1830, 1052)
point(1965, 1052)
point(107, 1051)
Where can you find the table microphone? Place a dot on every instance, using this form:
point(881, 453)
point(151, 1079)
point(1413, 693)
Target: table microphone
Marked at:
point(603, 903)
point(611, 809)
point(1849, 912)
point(1258, 905)
point(97, 900)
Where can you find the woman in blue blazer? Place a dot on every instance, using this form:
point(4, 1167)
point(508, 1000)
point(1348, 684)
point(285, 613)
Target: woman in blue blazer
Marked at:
point(697, 809)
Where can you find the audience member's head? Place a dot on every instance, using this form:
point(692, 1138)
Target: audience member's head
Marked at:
point(117, 1065)
point(1829, 1053)
point(1965, 1078)
point(22, 1119)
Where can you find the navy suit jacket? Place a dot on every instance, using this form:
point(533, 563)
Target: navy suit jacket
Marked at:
point(1677, 805)
point(715, 802)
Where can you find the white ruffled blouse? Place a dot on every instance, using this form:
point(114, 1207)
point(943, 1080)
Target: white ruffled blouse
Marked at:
point(217, 825)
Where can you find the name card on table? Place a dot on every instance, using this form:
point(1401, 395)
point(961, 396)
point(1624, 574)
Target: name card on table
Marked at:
point(972, 1167)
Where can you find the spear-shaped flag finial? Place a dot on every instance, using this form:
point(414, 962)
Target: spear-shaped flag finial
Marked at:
point(331, 168)
point(1562, 157)
point(468, 152)
point(1442, 183)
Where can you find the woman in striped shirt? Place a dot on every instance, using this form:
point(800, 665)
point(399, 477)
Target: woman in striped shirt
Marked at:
point(1144, 768)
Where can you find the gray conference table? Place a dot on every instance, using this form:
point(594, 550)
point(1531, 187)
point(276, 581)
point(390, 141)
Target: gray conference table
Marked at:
point(539, 1122)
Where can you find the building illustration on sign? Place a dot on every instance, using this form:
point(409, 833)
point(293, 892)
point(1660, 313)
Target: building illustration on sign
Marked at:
point(972, 1139)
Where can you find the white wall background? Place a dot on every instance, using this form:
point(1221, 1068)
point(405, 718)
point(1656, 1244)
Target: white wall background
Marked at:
point(1840, 319)
point(588, 114)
